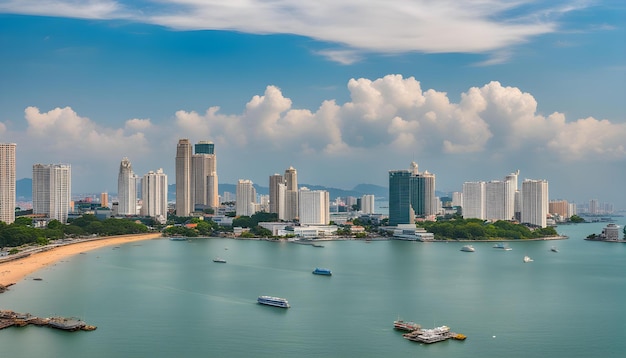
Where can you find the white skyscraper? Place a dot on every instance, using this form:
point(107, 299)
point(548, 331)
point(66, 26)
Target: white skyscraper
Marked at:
point(126, 189)
point(535, 202)
point(474, 200)
point(246, 198)
point(367, 204)
point(457, 199)
point(314, 207)
point(154, 195)
point(52, 189)
point(495, 193)
point(184, 205)
point(7, 182)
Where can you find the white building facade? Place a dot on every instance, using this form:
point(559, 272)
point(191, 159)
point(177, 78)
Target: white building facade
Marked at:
point(7, 182)
point(245, 204)
point(534, 202)
point(52, 190)
point(474, 200)
point(154, 195)
point(368, 204)
point(314, 207)
point(126, 189)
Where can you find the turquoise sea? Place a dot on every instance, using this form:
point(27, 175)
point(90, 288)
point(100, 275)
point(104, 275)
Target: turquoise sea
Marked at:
point(165, 298)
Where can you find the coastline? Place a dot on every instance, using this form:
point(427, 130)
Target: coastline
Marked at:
point(13, 271)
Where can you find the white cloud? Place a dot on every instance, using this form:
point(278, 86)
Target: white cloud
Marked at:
point(84, 9)
point(386, 120)
point(138, 125)
point(382, 26)
point(61, 134)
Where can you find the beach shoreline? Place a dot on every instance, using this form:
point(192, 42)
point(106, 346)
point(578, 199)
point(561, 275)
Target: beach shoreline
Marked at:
point(13, 271)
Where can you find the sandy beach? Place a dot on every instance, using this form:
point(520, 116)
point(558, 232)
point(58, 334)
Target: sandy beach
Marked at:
point(12, 272)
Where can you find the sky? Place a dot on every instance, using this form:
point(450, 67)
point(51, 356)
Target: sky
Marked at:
point(342, 90)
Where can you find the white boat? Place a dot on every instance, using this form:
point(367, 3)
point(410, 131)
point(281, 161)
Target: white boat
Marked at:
point(468, 248)
point(554, 249)
point(527, 259)
point(220, 260)
point(273, 301)
point(502, 247)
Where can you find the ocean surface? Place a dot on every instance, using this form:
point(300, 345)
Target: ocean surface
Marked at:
point(165, 298)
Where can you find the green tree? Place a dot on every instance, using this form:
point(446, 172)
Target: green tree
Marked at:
point(576, 219)
point(23, 221)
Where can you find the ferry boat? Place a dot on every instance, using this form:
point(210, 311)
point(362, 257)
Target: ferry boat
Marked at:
point(406, 326)
point(273, 301)
point(219, 260)
point(322, 271)
point(527, 259)
point(468, 248)
point(502, 247)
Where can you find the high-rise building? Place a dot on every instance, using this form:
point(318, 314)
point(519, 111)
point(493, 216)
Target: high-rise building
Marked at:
point(314, 207)
point(276, 182)
point(411, 194)
point(367, 204)
point(457, 199)
point(559, 207)
point(126, 189)
point(52, 189)
point(474, 200)
point(7, 182)
point(291, 194)
point(495, 202)
point(534, 202)
point(104, 200)
point(204, 183)
point(154, 195)
point(246, 198)
point(184, 204)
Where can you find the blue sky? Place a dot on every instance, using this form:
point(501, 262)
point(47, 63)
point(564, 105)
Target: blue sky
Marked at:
point(342, 91)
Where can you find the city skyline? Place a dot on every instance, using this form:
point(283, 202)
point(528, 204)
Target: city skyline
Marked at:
point(469, 91)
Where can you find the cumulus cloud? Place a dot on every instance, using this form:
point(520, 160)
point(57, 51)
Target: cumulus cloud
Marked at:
point(385, 118)
point(138, 125)
point(382, 26)
point(394, 114)
point(65, 134)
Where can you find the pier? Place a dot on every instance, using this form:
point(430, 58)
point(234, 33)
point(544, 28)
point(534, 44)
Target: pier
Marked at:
point(10, 319)
point(432, 335)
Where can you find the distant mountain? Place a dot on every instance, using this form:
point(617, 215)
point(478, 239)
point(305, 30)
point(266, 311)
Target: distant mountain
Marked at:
point(24, 189)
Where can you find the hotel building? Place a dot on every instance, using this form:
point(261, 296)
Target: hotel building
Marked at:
point(7, 182)
point(184, 204)
point(154, 195)
point(126, 189)
point(314, 207)
point(52, 190)
point(534, 202)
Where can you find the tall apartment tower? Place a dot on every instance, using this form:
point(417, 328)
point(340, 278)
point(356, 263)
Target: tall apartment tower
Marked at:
point(411, 193)
point(7, 182)
point(104, 200)
point(291, 194)
point(154, 195)
point(277, 182)
point(474, 200)
point(204, 183)
point(400, 209)
point(246, 198)
point(535, 202)
point(367, 204)
point(184, 204)
point(52, 189)
point(314, 207)
point(126, 189)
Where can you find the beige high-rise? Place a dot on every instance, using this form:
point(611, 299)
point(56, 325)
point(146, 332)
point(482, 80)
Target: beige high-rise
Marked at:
point(291, 194)
point(7, 182)
point(184, 204)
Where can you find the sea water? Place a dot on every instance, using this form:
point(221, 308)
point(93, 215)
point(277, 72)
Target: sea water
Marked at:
point(163, 298)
